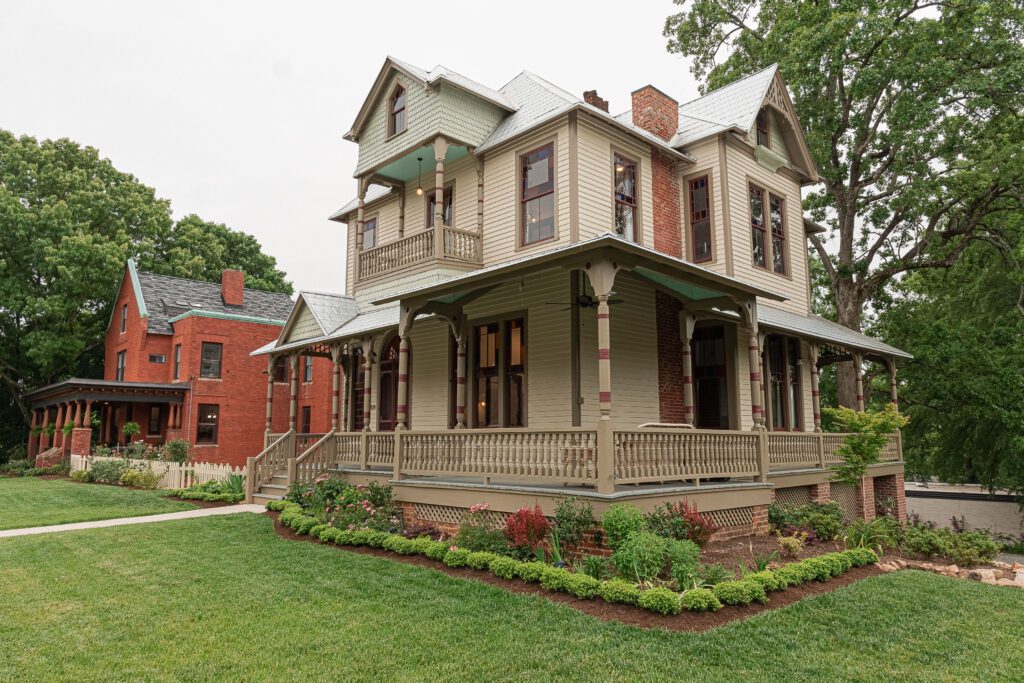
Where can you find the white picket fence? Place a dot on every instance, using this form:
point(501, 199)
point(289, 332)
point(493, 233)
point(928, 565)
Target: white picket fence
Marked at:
point(174, 475)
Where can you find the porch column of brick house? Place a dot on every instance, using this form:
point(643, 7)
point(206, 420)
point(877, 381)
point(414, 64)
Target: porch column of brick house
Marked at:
point(293, 405)
point(815, 387)
point(81, 435)
point(858, 370)
point(335, 387)
point(44, 438)
point(367, 378)
point(58, 434)
point(686, 324)
point(269, 418)
point(440, 151)
point(33, 444)
point(890, 365)
point(460, 381)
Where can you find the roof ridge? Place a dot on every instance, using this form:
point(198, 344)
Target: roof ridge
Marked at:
point(551, 87)
point(339, 296)
point(773, 65)
point(205, 282)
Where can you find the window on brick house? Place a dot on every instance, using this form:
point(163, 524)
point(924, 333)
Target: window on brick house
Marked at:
point(762, 128)
point(396, 111)
point(210, 363)
point(700, 219)
point(307, 369)
point(448, 199)
point(119, 368)
point(208, 423)
point(281, 369)
point(757, 226)
point(153, 428)
point(625, 198)
point(307, 416)
point(537, 194)
point(157, 358)
point(124, 318)
point(177, 361)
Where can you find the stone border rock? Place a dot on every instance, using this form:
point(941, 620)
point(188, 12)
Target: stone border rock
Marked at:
point(996, 574)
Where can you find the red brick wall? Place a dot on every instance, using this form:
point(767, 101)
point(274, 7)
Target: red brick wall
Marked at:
point(136, 341)
point(866, 498)
point(821, 493)
point(890, 496)
point(232, 287)
point(670, 359)
point(665, 187)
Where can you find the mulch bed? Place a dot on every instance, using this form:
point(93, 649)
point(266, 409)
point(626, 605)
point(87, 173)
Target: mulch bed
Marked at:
point(627, 614)
point(737, 551)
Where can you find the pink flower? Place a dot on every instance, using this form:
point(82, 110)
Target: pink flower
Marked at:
point(453, 548)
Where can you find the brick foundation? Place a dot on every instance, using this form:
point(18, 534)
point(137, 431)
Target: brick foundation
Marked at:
point(866, 498)
point(890, 496)
point(821, 493)
point(81, 441)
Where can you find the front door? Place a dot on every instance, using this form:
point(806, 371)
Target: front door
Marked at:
point(710, 377)
point(358, 395)
point(388, 399)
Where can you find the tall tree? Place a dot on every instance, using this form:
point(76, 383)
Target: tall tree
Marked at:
point(913, 116)
point(68, 222)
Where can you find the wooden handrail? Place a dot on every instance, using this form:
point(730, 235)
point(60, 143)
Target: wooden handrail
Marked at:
point(321, 456)
point(260, 469)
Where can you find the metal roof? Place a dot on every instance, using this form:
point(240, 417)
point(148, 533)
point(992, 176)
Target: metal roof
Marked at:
point(816, 327)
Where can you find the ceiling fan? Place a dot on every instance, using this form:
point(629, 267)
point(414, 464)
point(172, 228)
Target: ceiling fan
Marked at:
point(584, 301)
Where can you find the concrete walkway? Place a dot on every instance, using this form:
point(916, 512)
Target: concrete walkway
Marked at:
point(164, 517)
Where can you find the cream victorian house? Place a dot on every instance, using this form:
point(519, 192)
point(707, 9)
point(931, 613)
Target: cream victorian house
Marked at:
point(545, 299)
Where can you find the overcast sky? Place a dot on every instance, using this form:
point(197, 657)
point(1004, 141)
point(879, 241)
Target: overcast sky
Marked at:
point(235, 110)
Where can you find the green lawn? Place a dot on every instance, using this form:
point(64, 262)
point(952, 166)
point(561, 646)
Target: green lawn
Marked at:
point(29, 501)
point(224, 598)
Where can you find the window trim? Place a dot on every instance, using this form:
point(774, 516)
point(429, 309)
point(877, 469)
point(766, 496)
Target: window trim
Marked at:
point(220, 360)
point(768, 248)
point(200, 423)
point(392, 130)
point(428, 197)
point(521, 242)
point(688, 217)
point(471, 385)
point(376, 226)
point(762, 113)
point(618, 154)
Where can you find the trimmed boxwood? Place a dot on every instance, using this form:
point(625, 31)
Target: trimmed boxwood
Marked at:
point(582, 586)
point(619, 591)
point(437, 550)
point(505, 567)
point(531, 571)
point(481, 559)
point(457, 558)
point(739, 592)
point(660, 600)
point(555, 578)
point(700, 600)
point(769, 580)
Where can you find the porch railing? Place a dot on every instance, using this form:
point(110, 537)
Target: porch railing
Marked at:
point(559, 456)
point(649, 455)
point(460, 245)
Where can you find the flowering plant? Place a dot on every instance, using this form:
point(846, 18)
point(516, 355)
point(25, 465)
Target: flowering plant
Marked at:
point(479, 530)
point(526, 529)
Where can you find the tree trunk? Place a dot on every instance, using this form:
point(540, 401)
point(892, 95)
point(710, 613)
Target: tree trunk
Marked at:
point(849, 306)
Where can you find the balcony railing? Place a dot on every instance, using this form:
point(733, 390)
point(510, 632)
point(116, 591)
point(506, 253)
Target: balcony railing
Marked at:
point(457, 245)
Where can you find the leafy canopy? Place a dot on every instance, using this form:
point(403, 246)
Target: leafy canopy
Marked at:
point(868, 432)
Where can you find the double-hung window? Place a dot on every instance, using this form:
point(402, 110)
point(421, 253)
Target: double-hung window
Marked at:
point(177, 361)
point(758, 227)
point(370, 233)
point(777, 218)
point(210, 364)
point(446, 207)
point(762, 128)
point(281, 369)
point(499, 374)
point(208, 423)
point(124, 318)
point(625, 198)
point(700, 219)
point(121, 361)
point(307, 369)
point(537, 194)
point(396, 116)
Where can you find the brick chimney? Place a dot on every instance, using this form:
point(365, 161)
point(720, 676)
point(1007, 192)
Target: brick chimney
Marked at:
point(655, 112)
point(232, 287)
point(592, 98)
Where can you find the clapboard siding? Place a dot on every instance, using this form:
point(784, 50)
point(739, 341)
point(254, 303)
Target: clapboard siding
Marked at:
point(305, 327)
point(707, 163)
point(429, 383)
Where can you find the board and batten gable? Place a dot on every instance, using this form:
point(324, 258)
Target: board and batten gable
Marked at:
point(440, 109)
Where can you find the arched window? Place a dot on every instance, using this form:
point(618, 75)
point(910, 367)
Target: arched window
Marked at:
point(396, 111)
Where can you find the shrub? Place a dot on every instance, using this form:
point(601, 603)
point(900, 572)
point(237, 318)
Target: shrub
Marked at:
point(108, 471)
point(479, 530)
point(142, 478)
point(641, 556)
point(793, 574)
point(683, 558)
point(825, 520)
point(175, 450)
point(861, 556)
point(868, 433)
point(790, 546)
point(280, 505)
point(526, 529)
point(505, 567)
point(531, 571)
point(82, 475)
point(437, 550)
point(701, 600)
point(769, 580)
point(660, 600)
point(573, 519)
point(619, 591)
point(739, 592)
point(330, 534)
point(877, 534)
point(399, 544)
point(712, 574)
point(318, 529)
point(375, 539)
point(457, 557)
point(130, 429)
point(555, 578)
point(593, 565)
point(619, 521)
point(16, 466)
point(819, 568)
point(680, 521)
point(480, 560)
point(304, 524)
point(420, 545)
point(965, 548)
point(582, 586)
point(361, 536)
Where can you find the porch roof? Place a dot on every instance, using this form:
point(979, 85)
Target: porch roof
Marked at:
point(647, 262)
point(80, 389)
point(820, 329)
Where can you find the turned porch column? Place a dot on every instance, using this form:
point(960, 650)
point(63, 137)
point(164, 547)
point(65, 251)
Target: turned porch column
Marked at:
point(402, 400)
point(271, 363)
point(754, 351)
point(815, 388)
point(440, 151)
point(87, 415)
point(890, 365)
point(686, 334)
point(605, 431)
point(33, 443)
point(480, 196)
point(858, 368)
point(360, 214)
point(346, 383)
point(335, 386)
point(293, 406)
point(460, 381)
point(367, 377)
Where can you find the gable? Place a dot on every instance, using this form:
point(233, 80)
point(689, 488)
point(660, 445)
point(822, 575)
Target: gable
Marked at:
point(785, 129)
point(304, 327)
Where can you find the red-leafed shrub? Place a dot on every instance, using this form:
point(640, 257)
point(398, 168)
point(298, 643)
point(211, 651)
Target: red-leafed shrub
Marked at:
point(680, 521)
point(527, 528)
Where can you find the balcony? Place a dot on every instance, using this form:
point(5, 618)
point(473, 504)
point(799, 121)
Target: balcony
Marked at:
point(451, 247)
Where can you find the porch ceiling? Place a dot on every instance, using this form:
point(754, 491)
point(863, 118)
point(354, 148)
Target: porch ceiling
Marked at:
point(684, 276)
point(406, 169)
point(78, 389)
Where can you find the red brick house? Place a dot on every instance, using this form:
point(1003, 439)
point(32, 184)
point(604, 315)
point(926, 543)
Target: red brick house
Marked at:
point(177, 362)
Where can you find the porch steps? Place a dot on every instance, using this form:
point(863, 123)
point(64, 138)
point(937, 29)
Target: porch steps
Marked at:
point(275, 489)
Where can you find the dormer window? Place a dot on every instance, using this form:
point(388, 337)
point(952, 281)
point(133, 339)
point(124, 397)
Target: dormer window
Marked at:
point(396, 111)
point(762, 128)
